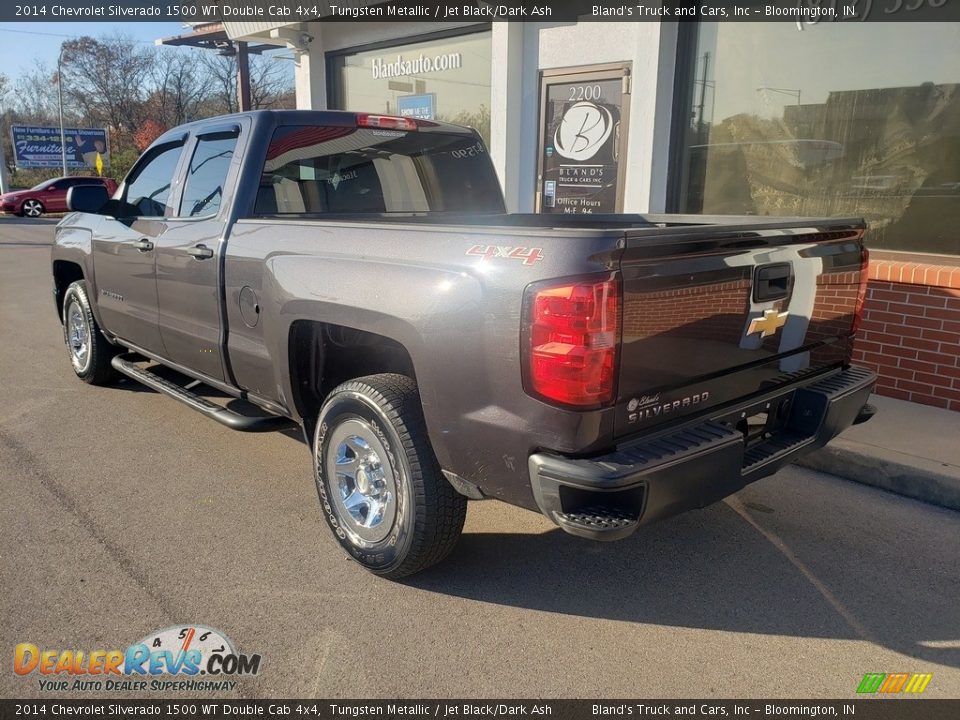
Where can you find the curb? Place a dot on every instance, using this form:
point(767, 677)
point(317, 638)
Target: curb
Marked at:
point(907, 475)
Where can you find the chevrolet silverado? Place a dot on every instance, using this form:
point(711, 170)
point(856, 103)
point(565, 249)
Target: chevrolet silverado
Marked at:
point(356, 275)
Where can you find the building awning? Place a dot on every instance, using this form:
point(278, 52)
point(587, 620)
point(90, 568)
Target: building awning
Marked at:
point(210, 36)
point(251, 30)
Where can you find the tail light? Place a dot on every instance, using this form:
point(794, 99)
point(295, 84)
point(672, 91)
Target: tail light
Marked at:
point(571, 339)
point(862, 290)
point(385, 122)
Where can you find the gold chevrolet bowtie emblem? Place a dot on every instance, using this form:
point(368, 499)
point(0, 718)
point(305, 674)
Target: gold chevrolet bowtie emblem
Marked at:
point(768, 324)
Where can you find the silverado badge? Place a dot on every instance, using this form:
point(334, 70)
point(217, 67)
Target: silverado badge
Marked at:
point(768, 324)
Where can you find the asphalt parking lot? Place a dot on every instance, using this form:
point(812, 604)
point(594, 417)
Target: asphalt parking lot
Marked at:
point(124, 512)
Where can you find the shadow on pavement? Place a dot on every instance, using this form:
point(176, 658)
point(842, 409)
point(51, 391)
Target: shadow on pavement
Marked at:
point(710, 569)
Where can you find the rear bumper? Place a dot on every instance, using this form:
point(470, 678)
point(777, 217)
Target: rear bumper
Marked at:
point(695, 465)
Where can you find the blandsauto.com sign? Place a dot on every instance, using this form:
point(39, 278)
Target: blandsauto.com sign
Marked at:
point(419, 65)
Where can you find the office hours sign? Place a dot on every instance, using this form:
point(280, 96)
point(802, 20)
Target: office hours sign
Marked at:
point(582, 135)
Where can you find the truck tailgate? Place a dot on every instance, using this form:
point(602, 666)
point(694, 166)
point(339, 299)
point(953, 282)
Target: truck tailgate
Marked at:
point(713, 315)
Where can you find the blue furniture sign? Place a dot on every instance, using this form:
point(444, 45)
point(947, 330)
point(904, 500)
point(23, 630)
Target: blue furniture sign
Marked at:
point(37, 146)
point(420, 107)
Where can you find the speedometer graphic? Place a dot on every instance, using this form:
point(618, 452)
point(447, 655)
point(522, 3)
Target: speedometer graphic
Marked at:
point(181, 639)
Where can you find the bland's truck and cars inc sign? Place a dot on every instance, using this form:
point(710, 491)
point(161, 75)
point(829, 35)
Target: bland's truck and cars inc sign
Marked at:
point(36, 146)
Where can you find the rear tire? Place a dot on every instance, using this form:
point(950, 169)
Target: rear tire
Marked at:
point(381, 488)
point(90, 352)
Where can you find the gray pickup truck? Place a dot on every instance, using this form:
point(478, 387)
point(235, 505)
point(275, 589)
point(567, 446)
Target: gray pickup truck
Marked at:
point(356, 275)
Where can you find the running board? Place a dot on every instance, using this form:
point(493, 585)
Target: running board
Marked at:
point(224, 416)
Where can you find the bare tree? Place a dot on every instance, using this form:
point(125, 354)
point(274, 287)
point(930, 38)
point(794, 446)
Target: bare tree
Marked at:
point(271, 81)
point(180, 86)
point(222, 72)
point(105, 80)
point(35, 98)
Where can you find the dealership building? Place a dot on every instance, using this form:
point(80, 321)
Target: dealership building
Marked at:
point(839, 119)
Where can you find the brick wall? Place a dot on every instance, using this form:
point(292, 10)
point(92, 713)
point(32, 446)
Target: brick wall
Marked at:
point(910, 333)
point(833, 305)
point(714, 311)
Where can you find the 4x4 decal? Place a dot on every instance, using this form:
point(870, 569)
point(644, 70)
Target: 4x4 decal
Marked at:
point(528, 255)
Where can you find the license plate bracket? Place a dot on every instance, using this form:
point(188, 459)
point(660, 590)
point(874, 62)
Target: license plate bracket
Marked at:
point(762, 420)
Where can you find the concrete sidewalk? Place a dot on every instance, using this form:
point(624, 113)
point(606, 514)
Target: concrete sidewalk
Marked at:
point(908, 449)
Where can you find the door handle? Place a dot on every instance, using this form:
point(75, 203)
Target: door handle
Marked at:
point(772, 282)
point(200, 252)
point(143, 245)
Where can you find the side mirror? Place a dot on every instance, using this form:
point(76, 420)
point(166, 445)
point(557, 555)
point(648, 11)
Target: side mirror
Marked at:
point(87, 198)
point(52, 188)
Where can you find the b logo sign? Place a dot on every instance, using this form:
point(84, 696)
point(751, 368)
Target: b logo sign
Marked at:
point(582, 131)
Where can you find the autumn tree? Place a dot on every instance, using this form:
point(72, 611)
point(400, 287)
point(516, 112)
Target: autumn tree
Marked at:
point(148, 131)
point(136, 91)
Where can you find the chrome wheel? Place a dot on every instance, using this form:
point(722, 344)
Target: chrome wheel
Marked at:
point(78, 336)
point(32, 208)
point(364, 488)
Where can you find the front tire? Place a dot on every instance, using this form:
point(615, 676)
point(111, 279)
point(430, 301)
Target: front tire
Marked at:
point(90, 352)
point(381, 488)
point(32, 208)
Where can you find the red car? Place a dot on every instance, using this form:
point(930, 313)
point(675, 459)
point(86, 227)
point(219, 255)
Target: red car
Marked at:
point(49, 196)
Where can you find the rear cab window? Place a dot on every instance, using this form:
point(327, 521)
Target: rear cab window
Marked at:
point(313, 169)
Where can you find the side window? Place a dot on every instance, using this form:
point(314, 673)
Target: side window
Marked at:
point(317, 169)
point(203, 189)
point(149, 191)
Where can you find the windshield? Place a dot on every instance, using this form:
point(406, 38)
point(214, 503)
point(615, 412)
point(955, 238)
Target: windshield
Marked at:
point(44, 185)
point(312, 169)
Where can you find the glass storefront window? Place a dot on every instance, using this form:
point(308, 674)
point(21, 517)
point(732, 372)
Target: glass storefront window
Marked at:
point(838, 119)
point(446, 79)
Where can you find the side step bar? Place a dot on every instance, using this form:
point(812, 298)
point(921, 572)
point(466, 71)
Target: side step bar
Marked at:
point(224, 416)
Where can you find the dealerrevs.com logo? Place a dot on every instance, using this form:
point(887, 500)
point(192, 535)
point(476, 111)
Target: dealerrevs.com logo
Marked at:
point(185, 658)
